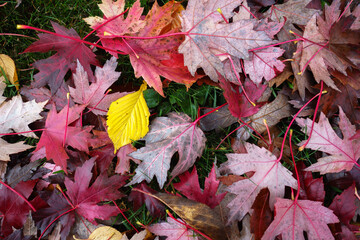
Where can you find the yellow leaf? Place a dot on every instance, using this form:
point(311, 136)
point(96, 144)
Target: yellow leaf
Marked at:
point(101, 233)
point(8, 66)
point(128, 118)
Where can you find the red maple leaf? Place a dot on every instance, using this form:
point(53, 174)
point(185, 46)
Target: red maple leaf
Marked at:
point(189, 186)
point(239, 105)
point(53, 69)
point(52, 138)
point(150, 58)
point(83, 198)
point(311, 188)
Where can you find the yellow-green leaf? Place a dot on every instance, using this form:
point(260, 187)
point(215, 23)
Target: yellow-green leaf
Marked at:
point(8, 66)
point(128, 118)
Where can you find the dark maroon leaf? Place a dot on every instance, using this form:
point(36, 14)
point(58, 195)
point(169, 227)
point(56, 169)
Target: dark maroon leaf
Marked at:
point(155, 207)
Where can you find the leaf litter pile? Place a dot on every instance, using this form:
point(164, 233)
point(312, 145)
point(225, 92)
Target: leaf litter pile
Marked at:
point(289, 80)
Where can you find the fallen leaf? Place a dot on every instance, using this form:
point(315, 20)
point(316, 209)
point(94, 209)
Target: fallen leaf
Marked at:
point(218, 120)
point(197, 215)
point(294, 217)
point(14, 210)
point(311, 188)
point(264, 64)
point(155, 207)
point(128, 118)
point(16, 115)
point(343, 153)
point(52, 138)
point(8, 66)
point(272, 112)
point(262, 216)
point(239, 105)
point(167, 135)
point(189, 186)
point(268, 173)
point(93, 96)
point(173, 230)
point(53, 69)
point(108, 233)
point(208, 36)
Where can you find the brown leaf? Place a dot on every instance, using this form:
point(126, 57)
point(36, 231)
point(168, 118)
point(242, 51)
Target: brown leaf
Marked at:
point(282, 77)
point(273, 112)
point(197, 215)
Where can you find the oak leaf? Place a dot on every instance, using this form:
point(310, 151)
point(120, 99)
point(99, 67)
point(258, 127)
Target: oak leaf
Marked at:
point(343, 152)
point(268, 173)
point(167, 135)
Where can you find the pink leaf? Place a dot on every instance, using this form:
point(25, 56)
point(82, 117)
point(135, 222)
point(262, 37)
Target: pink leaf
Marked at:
point(173, 230)
point(343, 153)
point(268, 173)
point(168, 135)
point(294, 217)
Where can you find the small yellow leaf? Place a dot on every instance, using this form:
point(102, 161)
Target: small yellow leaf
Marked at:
point(8, 66)
point(128, 118)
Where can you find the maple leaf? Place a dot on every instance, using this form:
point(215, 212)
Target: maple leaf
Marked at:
point(173, 230)
point(239, 105)
point(167, 135)
point(319, 57)
point(152, 58)
point(293, 12)
point(53, 69)
point(52, 138)
point(189, 186)
point(264, 64)
point(311, 188)
point(343, 153)
point(262, 216)
point(344, 208)
point(208, 36)
point(123, 163)
point(7, 149)
point(268, 173)
point(294, 217)
point(218, 120)
point(93, 95)
point(16, 115)
point(83, 198)
point(117, 25)
point(155, 207)
point(14, 209)
point(86, 197)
